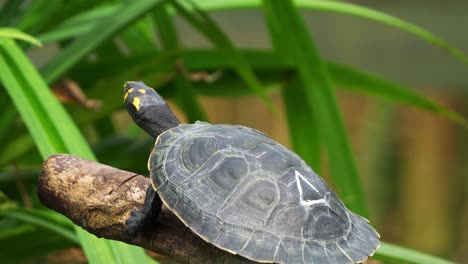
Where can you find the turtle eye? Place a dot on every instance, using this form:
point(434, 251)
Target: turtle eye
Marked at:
point(128, 85)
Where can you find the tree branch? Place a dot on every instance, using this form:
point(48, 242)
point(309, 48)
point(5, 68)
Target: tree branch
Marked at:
point(99, 198)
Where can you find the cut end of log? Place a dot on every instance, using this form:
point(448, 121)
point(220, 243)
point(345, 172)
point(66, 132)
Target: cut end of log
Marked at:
point(99, 198)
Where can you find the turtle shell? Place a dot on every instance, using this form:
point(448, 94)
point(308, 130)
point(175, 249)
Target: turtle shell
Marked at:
point(247, 194)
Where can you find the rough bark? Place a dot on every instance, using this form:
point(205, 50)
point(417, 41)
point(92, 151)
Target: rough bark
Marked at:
point(99, 198)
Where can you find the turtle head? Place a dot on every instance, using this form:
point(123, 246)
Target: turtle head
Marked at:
point(148, 109)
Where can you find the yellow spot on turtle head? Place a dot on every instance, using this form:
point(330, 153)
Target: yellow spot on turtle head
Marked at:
point(143, 91)
point(136, 103)
point(129, 91)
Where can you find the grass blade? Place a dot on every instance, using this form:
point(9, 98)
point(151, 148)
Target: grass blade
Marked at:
point(79, 24)
point(281, 17)
point(166, 29)
point(355, 80)
point(8, 10)
point(273, 70)
point(348, 9)
point(187, 100)
point(69, 56)
point(31, 22)
point(45, 219)
point(40, 110)
point(186, 96)
point(301, 123)
point(342, 76)
point(17, 245)
point(139, 37)
point(367, 13)
point(52, 130)
point(344, 8)
point(205, 25)
point(17, 34)
point(397, 254)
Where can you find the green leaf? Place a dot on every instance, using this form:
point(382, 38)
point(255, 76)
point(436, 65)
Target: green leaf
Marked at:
point(7, 119)
point(186, 96)
point(69, 56)
point(187, 100)
point(281, 17)
point(272, 69)
point(17, 34)
point(79, 24)
point(26, 241)
point(52, 130)
point(364, 12)
point(8, 10)
point(115, 150)
point(342, 76)
point(302, 127)
point(46, 219)
point(347, 9)
point(205, 25)
point(30, 20)
point(166, 28)
point(10, 231)
point(351, 9)
point(49, 125)
point(351, 79)
point(397, 254)
point(139, 37)
point(268, 66)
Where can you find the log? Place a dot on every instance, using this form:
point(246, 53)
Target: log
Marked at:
point(99, 199)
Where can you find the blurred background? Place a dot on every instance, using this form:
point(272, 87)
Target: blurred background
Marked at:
point(413, 164)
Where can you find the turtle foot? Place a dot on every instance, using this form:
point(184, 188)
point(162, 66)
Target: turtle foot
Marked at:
point(134, 224)
point(146, 217)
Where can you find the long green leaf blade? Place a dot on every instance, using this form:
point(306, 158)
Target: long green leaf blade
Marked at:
point(43, 219)
point(126, 14)
point(17, 34)
point(342, 76)
point(347, 9)
point(351, 79)
point(282, 16)
point(42, 113)
point(327, 6)
point(205, 25)
point(25, 241)
point(397, 254)
point(79, 24)
point(187, 98)
point(8, 10)
point(301, 123)
point(51, 128)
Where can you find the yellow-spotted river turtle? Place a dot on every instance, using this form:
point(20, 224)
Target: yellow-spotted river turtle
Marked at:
point(243, 192)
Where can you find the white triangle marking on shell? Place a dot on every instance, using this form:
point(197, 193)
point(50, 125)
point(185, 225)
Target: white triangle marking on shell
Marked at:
point(303, 201)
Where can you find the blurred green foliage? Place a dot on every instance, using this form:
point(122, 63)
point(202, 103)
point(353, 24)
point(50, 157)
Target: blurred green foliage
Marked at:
point(101, 44)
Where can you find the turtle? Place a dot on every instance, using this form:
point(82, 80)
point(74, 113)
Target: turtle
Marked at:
point(241, 191)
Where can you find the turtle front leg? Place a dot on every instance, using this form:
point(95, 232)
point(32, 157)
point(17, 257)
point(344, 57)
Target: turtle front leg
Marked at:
point(147, 216)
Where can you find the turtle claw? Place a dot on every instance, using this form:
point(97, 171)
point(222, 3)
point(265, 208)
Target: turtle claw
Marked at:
point(146, 217)
point(134, 224)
